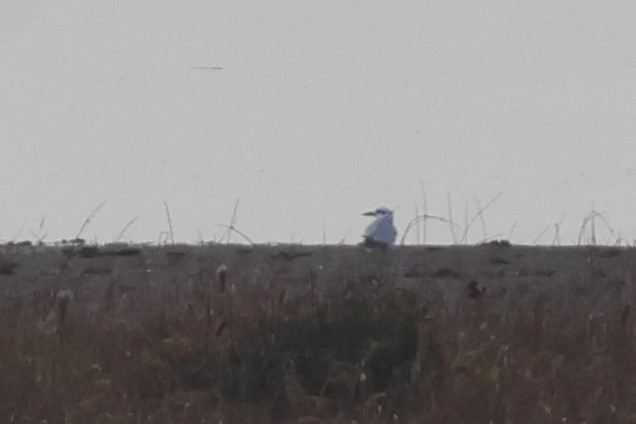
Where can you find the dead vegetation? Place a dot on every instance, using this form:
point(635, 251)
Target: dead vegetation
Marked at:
point(454, 350)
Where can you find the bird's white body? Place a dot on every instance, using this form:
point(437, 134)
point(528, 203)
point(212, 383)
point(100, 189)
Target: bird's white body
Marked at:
point(381, 232)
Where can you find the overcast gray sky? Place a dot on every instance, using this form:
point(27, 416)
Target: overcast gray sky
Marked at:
point(322, 110)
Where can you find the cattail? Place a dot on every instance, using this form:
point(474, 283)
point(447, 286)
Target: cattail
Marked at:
point(374, 404)
point(625, 316)
point(62, 299)
point(281, 298)
point(308, 420)
point(474, 291)
point(221, 276)
point(222, 325)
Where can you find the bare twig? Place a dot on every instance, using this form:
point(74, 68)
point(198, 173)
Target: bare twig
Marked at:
point(88, 219)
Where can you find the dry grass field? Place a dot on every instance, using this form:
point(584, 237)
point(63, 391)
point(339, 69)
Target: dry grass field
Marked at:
point(323, 334)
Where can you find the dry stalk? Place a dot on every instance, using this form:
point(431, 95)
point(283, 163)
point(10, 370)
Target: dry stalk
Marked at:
point(450, 218)
point(541, 233)
point(590, 220)
point(163, 237)
point(464, 239)
point(479, 215)
point(586, 220)
point(123, 230)
point(556, 240)
point(324, 234)
point(609, 227)
point(417, 227)
point(41, 235)
point(88, 219)
point(233, 219)
point(557, 230)
point(254, 245)
point(171, 232)
point(39, 238)
point(481, 218)
point(424, 211)
point(424, 218)
point(17, 234)
point(512, 230)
